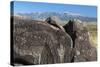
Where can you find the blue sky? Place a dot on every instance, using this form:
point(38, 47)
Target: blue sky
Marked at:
point(29, 7)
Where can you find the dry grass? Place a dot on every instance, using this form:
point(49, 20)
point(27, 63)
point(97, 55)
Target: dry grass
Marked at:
point(93, 33)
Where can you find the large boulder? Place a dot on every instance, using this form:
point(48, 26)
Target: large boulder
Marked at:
point(37, 42)
point(82, 47)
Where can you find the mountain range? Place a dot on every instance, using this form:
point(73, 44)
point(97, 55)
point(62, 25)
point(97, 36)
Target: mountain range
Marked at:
point(62, 16)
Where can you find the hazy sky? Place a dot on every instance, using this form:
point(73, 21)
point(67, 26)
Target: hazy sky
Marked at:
point(29, 7)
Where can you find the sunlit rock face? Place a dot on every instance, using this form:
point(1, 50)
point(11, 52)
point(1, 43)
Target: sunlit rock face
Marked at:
point(82, 47)
point(54, 21)
point(37, 42)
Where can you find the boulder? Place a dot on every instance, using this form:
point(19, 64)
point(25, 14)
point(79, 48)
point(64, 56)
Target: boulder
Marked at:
point(54, 21)
point(40, 43)
point(82, 47)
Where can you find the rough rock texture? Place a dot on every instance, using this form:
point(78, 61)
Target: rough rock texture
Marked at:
point(82, 49)
point(46, 42)
point(37, 42)
point(54, 22)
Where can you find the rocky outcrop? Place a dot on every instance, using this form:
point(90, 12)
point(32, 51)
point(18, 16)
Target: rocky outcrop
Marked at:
point(82, 47)
point(46, 42)
point(37, 42)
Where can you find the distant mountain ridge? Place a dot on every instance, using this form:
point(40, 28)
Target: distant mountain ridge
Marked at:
point(63, 16)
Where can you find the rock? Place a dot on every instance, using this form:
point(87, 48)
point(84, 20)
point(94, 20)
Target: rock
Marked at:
point(82, 49)
point(39, 43)
point(54, 20)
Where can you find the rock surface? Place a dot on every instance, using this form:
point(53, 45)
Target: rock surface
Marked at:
point(46, 42)
point(37, 42)
point(83, 51)
point(54, 22)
